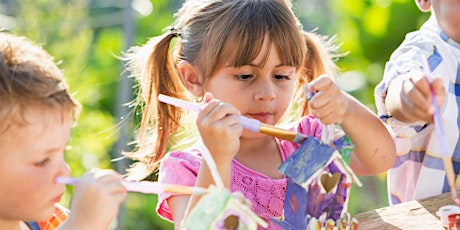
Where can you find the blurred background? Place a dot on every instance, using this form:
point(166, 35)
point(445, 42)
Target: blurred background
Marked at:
point(88, 36)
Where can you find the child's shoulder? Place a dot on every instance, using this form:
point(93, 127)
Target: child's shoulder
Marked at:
point(179, 167)
point(429, 35)
point(189, 158)
point(191, 153)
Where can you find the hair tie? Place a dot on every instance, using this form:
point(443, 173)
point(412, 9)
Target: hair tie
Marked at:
point(174, 32)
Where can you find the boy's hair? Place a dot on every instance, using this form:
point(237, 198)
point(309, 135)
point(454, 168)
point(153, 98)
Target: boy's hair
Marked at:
point(210, 32)
point(29, 77)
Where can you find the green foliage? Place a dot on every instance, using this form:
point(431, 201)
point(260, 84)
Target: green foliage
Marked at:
point(140, 213)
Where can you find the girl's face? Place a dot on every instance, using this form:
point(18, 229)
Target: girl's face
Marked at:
point(261, 90)
point(448, 15)
point(31, 156)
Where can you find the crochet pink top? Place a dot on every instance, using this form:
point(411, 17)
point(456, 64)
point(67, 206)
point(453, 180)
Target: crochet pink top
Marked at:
point(266, 194)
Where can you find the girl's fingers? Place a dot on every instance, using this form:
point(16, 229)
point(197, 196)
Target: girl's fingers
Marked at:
point(216, 111)
point(320, 83)
point(207, 97)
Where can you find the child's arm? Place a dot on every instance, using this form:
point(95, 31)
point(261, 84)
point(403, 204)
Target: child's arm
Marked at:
point(374, 151)
point(220, 131)
point(181, 206)
point(96, 200)
point(408, 97)
point(178, 206)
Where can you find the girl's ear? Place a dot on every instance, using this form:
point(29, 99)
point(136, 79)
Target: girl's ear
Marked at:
point(191, 77)
point(423, 5)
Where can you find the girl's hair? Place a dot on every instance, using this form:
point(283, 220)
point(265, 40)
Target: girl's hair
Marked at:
point(29, 77)
point(211, 32)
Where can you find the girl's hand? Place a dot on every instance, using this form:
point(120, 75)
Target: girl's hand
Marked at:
point(328, 103)
point(96, 200)
point(374, 150)
point(410, 100)
point(219, 128)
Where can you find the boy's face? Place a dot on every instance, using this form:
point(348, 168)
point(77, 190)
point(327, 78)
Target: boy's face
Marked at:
point(447, 13)
point(31, 156)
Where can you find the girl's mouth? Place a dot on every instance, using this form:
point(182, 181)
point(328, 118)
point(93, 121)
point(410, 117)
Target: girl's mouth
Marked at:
point(262, 117)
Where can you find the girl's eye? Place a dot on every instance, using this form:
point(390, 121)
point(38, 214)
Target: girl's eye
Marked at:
point(281, 77)
point(244, 76)
point(42, 162)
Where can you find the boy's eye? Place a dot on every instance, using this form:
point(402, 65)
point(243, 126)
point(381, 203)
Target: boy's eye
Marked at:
point(42, 162)
point(281, 77)
point(244, 76)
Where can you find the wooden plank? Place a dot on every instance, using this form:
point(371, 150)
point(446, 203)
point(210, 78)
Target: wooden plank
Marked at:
point(417, 214)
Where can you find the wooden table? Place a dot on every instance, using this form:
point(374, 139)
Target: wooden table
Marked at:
point(417, 214)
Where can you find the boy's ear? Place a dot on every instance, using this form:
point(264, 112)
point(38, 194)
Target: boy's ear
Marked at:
point(423, 5)
point(191, 77)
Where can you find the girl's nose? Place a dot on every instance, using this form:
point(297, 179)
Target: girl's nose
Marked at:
point(265, 91)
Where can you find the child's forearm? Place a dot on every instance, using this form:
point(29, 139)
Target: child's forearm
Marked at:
point(394, 102)
point(205, 179)
point(374, 150)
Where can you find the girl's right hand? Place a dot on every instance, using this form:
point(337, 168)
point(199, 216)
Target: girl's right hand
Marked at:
point(219, 129)
point(96, 200)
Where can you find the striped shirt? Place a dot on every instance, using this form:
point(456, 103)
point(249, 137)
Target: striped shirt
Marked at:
point(419, 171)
point(60, 215)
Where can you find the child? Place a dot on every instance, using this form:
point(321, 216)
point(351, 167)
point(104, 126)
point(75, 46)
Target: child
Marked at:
point(403, 100)
point(247, 58)
point(36, 116)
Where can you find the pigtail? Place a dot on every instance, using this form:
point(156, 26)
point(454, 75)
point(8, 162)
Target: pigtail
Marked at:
point(156, 74)
point(318, 60)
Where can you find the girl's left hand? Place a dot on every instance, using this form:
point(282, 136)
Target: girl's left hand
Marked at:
point(328, 102)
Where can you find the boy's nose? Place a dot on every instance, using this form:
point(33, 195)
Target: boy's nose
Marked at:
point(64, 170)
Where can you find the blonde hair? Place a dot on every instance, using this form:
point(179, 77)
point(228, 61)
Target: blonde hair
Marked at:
point(29, 77)
point(211, 32)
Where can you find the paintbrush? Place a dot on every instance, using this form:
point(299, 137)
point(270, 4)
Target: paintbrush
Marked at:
point(441, 136)
point(247, 123)
point(147, 187)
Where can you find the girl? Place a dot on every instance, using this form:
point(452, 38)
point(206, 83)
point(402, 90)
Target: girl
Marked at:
point(247, 58)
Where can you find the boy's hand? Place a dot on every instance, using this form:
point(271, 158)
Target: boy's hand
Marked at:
point(96, 200)
point(409, 99)
point(328, 103)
